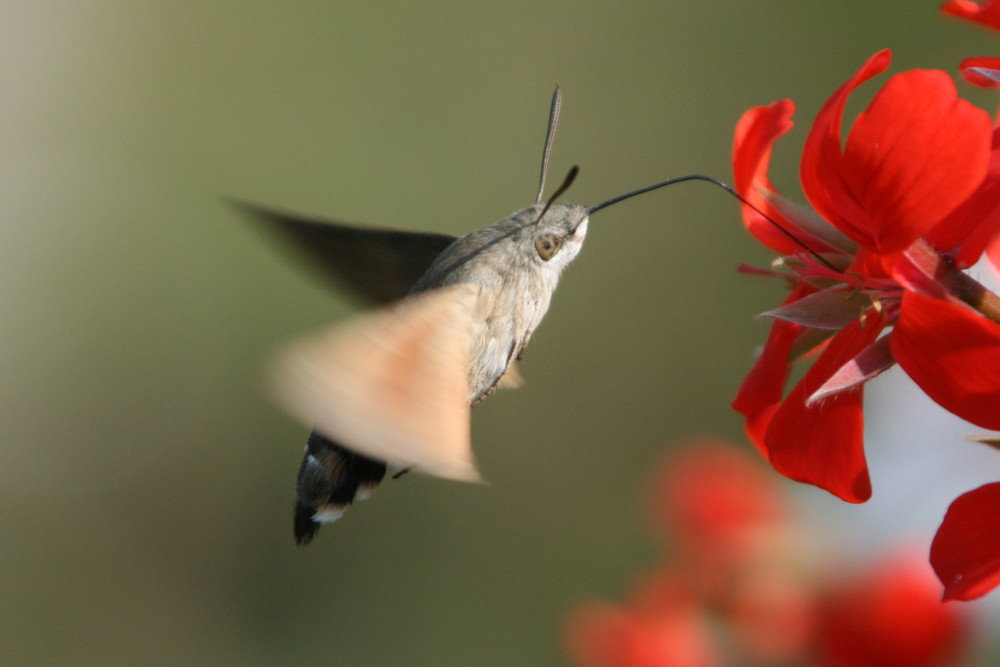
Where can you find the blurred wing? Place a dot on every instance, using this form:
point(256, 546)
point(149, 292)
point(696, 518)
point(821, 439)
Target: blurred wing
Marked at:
point(377, 265)
point(391, 384)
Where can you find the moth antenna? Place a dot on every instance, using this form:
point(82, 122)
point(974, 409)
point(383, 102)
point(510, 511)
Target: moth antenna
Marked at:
point(727, 188)
point(550, 135)
point(568, 181)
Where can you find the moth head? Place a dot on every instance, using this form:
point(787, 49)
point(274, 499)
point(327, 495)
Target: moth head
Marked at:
point(559, 233)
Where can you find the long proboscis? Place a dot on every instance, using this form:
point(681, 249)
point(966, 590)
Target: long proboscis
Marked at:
point(725, 186)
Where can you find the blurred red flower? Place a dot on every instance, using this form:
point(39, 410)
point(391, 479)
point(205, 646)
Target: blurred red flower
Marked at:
point(890, 616)
point(605, 635)
point(713, 504)
point(739, 585)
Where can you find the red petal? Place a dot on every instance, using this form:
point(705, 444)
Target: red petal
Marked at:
point(821, 156)
point(966, 550)
point(981, 71)
point(915, 155)
point(912, 157)
point(986, 13)
point(953, 354)
point(760, 394)
point(969, 228)
point(756, 131)
point(822, 443)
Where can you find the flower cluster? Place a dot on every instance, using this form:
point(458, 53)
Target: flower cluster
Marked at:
point(742, 586)
point(900, 208)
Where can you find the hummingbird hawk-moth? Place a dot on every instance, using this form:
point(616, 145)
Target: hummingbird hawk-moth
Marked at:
point(391, 389)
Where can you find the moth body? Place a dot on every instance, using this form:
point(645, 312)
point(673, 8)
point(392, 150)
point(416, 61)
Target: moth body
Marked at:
point(514, 265)
point(508, 272)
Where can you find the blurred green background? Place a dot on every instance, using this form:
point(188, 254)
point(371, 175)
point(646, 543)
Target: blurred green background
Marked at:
point(146, 484)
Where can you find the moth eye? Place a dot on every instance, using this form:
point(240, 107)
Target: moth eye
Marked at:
point(547, 246)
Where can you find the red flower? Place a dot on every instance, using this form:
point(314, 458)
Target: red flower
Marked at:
point(910, 196)
point(987, 13)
